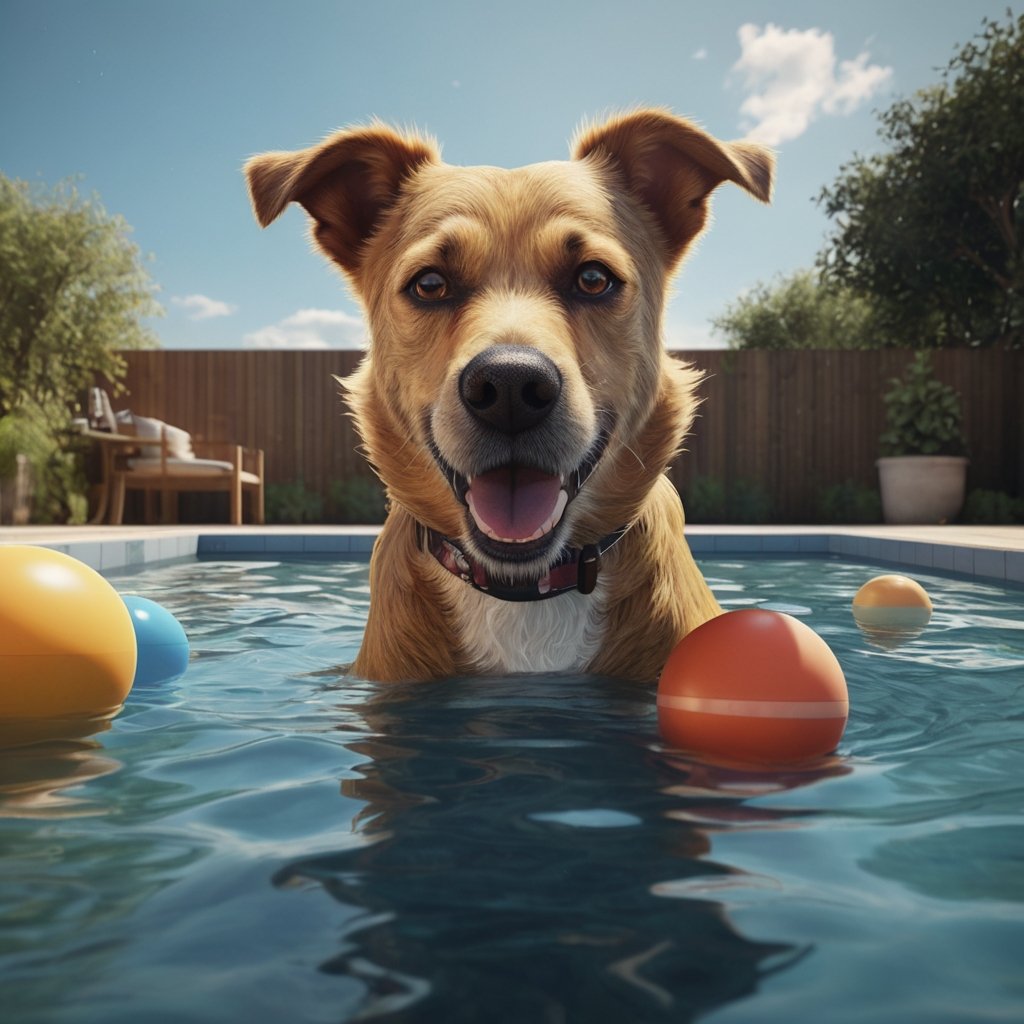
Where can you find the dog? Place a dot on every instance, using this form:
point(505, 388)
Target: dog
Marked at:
point(516, 398)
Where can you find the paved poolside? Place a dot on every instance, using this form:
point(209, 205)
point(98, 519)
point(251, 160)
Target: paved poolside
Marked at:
point(990, 552)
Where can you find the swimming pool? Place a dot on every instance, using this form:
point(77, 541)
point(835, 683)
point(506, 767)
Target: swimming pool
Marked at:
point(269, 840)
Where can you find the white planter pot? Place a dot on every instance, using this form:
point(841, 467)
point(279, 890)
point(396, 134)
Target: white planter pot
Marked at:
point(922, 488)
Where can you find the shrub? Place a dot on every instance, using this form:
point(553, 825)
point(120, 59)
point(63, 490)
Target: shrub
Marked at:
point(704, 500)
point(850, 502)
point(923, 415)
point(708, 500)
point(993, 508)
point(748, 502)
point(357, 500)
point(293, 503)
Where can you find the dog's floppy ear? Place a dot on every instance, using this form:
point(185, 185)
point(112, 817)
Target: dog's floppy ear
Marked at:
point(345, 184)
point(672, 166)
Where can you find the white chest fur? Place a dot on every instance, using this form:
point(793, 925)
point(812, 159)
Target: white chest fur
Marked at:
point(557, 635)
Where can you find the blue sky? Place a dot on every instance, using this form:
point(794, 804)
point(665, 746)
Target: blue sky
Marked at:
point(156, 105)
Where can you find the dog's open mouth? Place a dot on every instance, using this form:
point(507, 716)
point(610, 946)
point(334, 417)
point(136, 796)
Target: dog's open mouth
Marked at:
point(516, 504)
point(514, 510)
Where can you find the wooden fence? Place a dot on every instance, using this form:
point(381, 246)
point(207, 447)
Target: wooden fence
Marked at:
point(787, 423)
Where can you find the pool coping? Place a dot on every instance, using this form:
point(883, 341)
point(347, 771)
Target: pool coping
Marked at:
point(995, 552)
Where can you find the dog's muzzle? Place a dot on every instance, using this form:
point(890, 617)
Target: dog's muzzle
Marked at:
point(516, 498)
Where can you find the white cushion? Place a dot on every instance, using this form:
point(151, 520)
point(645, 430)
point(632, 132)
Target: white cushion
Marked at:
point(179, 442)
point(188, 467)
point(193, 466)
point(107, 419)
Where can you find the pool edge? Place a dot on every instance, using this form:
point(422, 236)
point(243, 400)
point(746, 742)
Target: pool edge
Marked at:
point(987, 553)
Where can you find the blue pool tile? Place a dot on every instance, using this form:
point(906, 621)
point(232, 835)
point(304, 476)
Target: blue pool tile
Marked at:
point(1015, 566)
point(889, 550)
point(988, 562)
point(232, 543)
point(135, 552)
point(737, 543)
point(701, 543)
point(963, 560)
point(90, 552)
point(838, 545)
point(812, 543)
point(783, 542)
point(285, 544)
point(362, 543)
point(908, 552)
point(924, 555)
point(332, 543)
point(943, 557)
point(113, 555)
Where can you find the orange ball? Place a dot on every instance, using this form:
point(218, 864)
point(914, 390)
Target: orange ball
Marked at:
point(753, 687)
point(895, 603)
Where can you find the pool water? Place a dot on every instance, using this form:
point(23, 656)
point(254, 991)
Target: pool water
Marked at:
point(267, 839)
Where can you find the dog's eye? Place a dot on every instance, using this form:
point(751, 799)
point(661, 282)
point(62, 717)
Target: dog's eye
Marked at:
point(430, 286)
point(594, 280)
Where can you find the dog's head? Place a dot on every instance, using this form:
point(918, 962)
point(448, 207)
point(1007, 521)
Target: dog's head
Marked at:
point(516, 394)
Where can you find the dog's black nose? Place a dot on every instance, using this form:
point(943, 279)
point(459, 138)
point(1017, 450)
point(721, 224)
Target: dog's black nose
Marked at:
point(510, 387)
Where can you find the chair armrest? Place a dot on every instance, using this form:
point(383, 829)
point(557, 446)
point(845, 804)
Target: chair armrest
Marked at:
point(226, 451)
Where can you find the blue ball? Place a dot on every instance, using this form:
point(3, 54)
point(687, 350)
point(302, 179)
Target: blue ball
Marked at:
point(162, 643)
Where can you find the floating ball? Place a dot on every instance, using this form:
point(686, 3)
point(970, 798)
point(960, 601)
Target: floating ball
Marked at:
point(891, 610)
point(67, 644)
point(753, 687)
point(162, 643)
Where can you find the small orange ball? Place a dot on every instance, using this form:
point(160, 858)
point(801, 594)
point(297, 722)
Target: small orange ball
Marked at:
point(753, 687)
point(895, 603)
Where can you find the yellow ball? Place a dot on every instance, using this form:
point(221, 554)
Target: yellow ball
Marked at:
point(892, 609)
point(67, 643)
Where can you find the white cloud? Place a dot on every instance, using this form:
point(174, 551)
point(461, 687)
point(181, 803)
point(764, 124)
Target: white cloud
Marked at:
point(700, 54)
point(687, 336)
point(311, 328)
point(201, 307)
point(791, 77)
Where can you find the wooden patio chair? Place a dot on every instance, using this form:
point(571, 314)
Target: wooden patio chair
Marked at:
point(166, 462)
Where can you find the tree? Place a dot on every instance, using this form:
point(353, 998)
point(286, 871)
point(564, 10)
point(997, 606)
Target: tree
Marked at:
point(799, 311)
point(933, 230)
point(73, 293)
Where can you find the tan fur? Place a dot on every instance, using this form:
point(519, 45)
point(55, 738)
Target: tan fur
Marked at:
point(385, 208)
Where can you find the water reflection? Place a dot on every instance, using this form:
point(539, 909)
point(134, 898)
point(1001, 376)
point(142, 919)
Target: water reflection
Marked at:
point(508, 882)
point(40, 761)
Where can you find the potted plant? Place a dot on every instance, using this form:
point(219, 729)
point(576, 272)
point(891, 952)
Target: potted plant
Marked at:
point(923, 469)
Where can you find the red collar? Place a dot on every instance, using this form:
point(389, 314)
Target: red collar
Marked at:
point(576, 570)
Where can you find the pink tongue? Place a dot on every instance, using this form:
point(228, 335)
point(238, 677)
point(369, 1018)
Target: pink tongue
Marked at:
point(515, 501)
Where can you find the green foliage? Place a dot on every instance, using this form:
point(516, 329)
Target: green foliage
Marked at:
point(933, 229)
point(748, 502)
point(850, 502)
point(708, 500)
point(799, 312)
point(293, 502)
point(56, 458)
point(705, 500)
point(72, 294)
point(923, 415)
point(993, 508)
point(357, 500)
